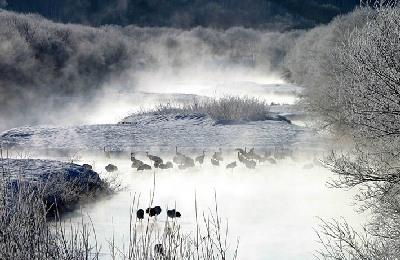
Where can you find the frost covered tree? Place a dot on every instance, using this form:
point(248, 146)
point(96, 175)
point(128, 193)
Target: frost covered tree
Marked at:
point(310, 64)
point(368, 76)
point(358, 93)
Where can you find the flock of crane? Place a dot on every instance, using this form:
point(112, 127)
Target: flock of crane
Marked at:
point(248, 158)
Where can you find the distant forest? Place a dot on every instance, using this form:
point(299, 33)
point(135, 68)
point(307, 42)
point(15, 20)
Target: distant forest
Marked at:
point(271, 14)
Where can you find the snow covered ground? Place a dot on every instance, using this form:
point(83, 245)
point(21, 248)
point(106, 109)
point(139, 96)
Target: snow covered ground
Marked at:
point(41, 170)
point(162, 133)
point(53, 178)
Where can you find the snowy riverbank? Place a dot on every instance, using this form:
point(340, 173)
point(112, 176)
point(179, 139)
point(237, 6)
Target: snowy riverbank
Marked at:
point(62, 184)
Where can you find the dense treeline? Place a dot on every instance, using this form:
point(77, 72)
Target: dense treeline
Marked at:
point(274, 14)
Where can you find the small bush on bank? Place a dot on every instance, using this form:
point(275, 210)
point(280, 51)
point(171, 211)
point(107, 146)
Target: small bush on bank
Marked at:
point(228, 108)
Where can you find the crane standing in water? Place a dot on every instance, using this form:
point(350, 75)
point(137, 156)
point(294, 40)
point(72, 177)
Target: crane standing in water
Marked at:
point(156, 159)
point(200, 158)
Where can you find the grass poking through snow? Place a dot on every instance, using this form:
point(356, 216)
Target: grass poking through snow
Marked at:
point(228, 108)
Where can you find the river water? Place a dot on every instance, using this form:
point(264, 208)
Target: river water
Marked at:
point(273, 210)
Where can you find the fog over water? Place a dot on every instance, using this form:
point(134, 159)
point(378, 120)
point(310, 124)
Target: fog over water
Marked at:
point(273, 210)
point(155, 88)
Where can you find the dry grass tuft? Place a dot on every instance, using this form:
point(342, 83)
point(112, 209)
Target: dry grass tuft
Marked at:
point(228, 108)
